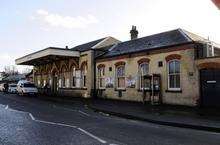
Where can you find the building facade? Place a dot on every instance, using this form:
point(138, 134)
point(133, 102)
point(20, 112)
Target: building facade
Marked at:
point(175, 67)
point(66, 72)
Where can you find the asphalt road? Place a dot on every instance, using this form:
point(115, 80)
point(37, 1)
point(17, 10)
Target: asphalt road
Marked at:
point(31, 121)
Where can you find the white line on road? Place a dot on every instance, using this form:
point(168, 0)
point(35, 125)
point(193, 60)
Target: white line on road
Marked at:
point(91, 135)
point(70, 126)
point(32, 117)
point(68, 109)
point(83, 113)
point(6, 107)
point(80, 129)
point(61, 124)
point(53, 123)
point(105, 114)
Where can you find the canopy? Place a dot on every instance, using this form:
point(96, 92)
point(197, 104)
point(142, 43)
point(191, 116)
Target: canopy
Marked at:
point(47, 55)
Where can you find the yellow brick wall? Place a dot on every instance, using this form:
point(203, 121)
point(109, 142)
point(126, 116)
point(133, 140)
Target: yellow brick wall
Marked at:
point(189, 84)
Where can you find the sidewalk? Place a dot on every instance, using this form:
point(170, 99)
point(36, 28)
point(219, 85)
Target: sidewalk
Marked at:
point(177, 116)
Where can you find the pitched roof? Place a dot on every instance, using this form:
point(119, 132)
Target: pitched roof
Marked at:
point(87, 46)
point(102, 50)
point(165, 39)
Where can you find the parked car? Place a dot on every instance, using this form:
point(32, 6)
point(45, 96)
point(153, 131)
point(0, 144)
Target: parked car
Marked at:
point(4, 87)
point(26, 87)
point(12, 88)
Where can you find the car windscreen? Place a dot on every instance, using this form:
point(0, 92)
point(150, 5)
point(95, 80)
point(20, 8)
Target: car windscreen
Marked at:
point(29, 85)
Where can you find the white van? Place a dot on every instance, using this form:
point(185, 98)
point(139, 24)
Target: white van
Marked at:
point(12, 88)
point(26, 87)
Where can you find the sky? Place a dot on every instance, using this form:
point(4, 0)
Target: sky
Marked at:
point(28, 26)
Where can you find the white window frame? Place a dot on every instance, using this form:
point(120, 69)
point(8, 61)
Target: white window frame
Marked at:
point(101, 76)
point(117, 77)
point(169, 88)
point(141, 75)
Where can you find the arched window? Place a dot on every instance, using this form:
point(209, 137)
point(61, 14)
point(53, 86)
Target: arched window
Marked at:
point(84, 73)
point(63, 77)
point(143, 72)
point(174, 74)
point(120, 75)
point(73, 74)
point(101, 76)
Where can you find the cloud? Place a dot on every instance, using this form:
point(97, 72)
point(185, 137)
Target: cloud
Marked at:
point(7, 59)
point(57, 20)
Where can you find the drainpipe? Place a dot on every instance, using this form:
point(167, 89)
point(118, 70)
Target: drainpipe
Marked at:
point(94, 70)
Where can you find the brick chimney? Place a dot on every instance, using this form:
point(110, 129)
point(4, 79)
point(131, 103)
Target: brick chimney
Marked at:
point(134, 33)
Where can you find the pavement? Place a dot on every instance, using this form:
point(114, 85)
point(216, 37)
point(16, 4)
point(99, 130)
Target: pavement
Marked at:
point(34, 121)
point(177, 116)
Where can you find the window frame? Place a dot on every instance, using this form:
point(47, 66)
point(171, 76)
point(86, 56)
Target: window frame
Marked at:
point(64, 77)
point(84, 76)
point(101, 76)
point(141, 75)
point(123, 76)
point(73, 77)
point(63, 81)
point(174, 74)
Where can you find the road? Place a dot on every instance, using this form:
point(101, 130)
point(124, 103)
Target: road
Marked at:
point(31, 121)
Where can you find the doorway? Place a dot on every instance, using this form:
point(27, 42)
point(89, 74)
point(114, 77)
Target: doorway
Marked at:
point(210, 87)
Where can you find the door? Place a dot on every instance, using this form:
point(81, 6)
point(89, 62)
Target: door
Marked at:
point(54, 89)
point(210, 87)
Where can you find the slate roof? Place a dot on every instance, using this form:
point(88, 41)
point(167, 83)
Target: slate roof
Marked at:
point(87, 46)
point(102, 50)
point(156, 41)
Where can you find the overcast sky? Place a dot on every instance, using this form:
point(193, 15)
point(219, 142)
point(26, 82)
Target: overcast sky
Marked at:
point(30, 25)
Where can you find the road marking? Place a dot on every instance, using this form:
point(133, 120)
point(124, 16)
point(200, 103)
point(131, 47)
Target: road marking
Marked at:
point(32, 117)
point(70, 126)
point(18, 111)
point(105, 114)
point(61, 124)
point(58, 124)
point(68, 109)
point(6, 107)
point(83, 113)
point(93, 136)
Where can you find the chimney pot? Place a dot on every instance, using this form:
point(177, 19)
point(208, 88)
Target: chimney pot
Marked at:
point(134, 32)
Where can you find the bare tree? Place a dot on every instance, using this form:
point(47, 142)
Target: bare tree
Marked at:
point(10, 70)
